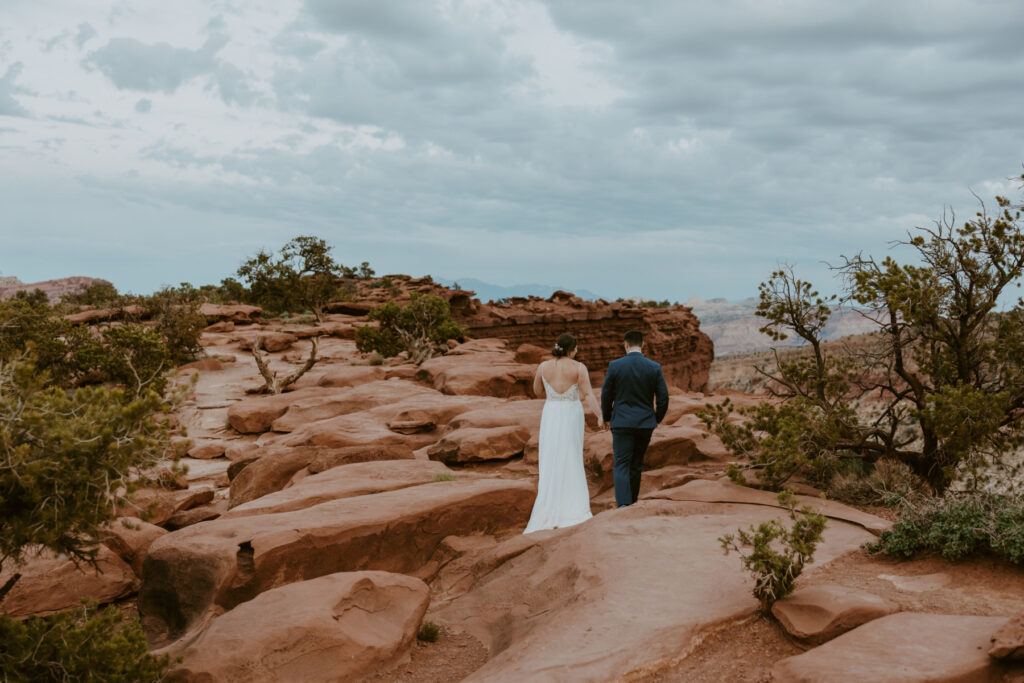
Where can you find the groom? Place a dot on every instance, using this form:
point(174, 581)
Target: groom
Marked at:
point(634, 400)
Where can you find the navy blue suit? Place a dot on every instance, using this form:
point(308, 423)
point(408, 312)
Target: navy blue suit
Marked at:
point(634, 400)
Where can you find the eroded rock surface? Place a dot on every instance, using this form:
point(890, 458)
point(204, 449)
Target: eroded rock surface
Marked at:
point(338, 627)
point(820, 613)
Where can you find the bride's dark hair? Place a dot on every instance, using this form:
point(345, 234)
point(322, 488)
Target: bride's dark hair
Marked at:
point(564, 345)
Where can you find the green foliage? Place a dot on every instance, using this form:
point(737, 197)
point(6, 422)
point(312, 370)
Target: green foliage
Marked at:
point(942, 389)
point(375, 358)
point(420, 327)
point(303, 276)
point(96, 295)
point(365, 271)
point(777, 554)
point(445, 476)
point(178, 320)
point(79, 645)
point(656, 304)
point(66, 456)
point(428, 632)
point(958, 525)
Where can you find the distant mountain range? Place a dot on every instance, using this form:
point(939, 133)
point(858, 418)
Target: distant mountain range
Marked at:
point(486, 291)
point(734, 327)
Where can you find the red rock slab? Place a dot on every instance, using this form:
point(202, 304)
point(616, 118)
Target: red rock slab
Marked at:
point(255, 415)
point(478, 374)
point(338, 627)
point(271, 342)
point(276, 466)
point(345, 481)
point(214, 566)
point(350, 375)
point(156, 506)
point(1008, 642)
point(205, 450)
point(130, 538)
point(238, 313)
point(597, 600)
point(820, 613)
point(50, 583)
point(479, 445)
point(933, 648)
point(703, 490)
point(349, 400)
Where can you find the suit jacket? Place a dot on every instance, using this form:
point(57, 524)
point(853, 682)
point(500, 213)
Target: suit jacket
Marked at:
point(634, 394)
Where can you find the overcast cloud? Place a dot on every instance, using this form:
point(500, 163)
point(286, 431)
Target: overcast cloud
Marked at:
point(662, 149)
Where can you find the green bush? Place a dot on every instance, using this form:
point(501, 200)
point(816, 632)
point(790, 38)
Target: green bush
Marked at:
point(428, 632)
point(97, 295)
point(303, 276)
point(421, 328)
point(66, 457)
point(175, 310)
point(777, 554)
point(79, 645)
point(958, 525)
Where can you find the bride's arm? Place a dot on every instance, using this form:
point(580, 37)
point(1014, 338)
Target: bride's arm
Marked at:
point(538, 385)
point(587, 394)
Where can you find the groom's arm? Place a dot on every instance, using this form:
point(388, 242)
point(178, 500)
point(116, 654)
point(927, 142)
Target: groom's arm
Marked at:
point(608, 395)
point(660, 397)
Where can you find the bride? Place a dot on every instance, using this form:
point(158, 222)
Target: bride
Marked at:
point(562, 495)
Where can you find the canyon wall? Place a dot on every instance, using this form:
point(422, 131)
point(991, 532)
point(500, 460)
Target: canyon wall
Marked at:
point(672, 335)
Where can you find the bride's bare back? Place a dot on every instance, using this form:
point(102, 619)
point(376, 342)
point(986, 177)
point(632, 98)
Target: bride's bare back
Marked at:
point(561, 374)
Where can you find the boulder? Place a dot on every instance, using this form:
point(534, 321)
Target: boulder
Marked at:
point(1008, 641)
point(412, 422)
point(595, 601)
point(156, 506)
point(202, 513)
point(345, 481)
point(529, 354)
point(817, 614)
point(485, 372)
point(219, 564)
point(130, 538)
point(50, 583)
point(205, 450)
point(475, 445)
point(276, 466)
point(204, 365)
point(349, 400)
point(271, 342)
point(255, 415)
point(221, 327)
point(901, 647)
point(350, 375)
point(238, 313)
point(338, 627)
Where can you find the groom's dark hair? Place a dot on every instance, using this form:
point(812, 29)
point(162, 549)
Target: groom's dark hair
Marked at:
point(634, 338)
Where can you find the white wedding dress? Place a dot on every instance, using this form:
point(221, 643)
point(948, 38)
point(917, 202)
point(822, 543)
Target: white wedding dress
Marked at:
point(562, 495)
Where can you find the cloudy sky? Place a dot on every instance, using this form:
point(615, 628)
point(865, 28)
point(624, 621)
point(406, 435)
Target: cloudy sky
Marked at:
point(654, 148)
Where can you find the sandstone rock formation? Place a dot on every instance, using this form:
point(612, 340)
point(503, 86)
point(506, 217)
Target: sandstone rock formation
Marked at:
point(130, 538)
point(901, 647)
point(50, 583)
point(55, 290)
point(191, 573)
point(1008, 641)
point(338, 627)
point(820, 613)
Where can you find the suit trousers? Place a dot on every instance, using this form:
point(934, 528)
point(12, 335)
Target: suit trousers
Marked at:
point(628, 446)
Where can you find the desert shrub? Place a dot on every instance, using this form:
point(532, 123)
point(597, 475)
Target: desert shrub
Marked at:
point(421, 328)
point(428, 631)
point(175, 310)
point(958, 525)
point(66, 456)
point(777, 554)
point(303, 275)
point(941, 377)
point(375, 358)
point(365, 272)
point(445, 476)
point(78, 645)
point(890, 483)
point(134, 356)
point(96, 295)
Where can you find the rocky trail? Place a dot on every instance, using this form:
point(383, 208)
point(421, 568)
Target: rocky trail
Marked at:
point(318, 529)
